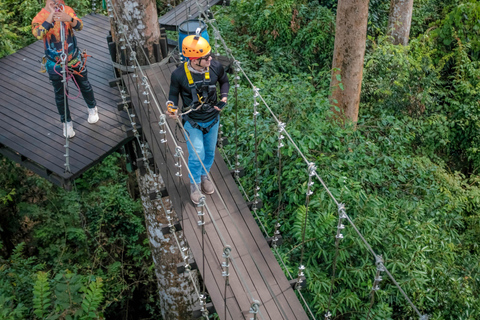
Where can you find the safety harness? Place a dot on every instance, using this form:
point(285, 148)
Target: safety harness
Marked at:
point(198, 100)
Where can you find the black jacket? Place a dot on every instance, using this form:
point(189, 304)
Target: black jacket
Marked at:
point(179, 85)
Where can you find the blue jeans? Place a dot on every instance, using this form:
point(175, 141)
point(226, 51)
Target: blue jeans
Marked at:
point(205, 145)
point(83, 84)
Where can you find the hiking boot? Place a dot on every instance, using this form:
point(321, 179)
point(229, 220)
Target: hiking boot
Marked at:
point(92, 115)
point(68, 129)
point(195, 194)
point(207, 185)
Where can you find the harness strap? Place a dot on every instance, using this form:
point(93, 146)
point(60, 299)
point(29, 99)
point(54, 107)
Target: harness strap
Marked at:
point(196, 126)
point(189, 74)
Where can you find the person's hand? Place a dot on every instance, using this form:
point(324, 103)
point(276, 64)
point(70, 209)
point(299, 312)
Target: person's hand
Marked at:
point(62, 16)
point(51, 7)
point(220, 104)
point(172, 115)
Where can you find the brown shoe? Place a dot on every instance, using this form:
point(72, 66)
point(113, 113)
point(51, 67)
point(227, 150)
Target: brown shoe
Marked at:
point(207, 185)
point(195, 194)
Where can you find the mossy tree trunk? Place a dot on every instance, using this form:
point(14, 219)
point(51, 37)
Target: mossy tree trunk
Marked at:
point(400, 20)
point(349, 51)
point(176, 291)
point(140, 20)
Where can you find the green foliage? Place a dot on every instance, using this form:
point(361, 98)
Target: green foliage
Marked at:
point(395, 172)
point(295, 34)
point(91, 241)
point(460, 26)
point(41, 295)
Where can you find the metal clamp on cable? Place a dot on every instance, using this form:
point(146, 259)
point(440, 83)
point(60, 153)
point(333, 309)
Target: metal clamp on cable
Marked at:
point(171, 108)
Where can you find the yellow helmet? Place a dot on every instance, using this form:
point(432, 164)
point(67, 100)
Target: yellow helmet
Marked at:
point(195, 47)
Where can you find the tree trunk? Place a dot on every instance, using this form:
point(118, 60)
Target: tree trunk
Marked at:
point(176, 291)
point(348, 54)
point(142, 29)
point(400, 20)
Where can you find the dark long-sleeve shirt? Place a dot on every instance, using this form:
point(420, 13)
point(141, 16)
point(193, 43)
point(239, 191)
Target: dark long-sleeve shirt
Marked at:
point(179, 86)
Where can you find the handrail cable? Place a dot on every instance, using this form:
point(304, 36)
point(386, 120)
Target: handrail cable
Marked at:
point(167, 212)
point(184, 161)
point(229, 52)
point(147, 166)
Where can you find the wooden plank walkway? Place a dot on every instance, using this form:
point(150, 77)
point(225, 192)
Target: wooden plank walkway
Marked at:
point(186, 10)
point(30, 128)
point(256, 266)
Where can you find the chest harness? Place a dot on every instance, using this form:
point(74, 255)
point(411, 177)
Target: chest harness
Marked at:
point(199, 101)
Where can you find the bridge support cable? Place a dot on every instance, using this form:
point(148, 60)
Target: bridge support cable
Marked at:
point(208, 211)
point(156, 185)
point(226, 274)
point(181, 158)
point(229, 52)
point(375, 287)
point(301, 268)
point(236, 77)
point(280, 145)
point(256, 194)
point(201, 222)
point(168, 212)
point(63, 63)
point(339, 236)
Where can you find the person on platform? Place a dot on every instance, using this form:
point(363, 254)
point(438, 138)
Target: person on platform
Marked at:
point(47, 26)
point(195, 81)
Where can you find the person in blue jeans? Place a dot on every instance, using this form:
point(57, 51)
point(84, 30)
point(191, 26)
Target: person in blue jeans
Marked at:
point(196, 82)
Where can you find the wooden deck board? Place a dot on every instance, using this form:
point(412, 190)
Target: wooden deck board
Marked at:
point(261, 253)
point(179, 195)
point(256, 234)
point(108, 136)
point(30, 126)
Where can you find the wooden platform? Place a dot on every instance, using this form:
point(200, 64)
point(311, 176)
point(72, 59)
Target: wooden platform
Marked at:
point(257, 266)
point(186, 10)
point(30, 127)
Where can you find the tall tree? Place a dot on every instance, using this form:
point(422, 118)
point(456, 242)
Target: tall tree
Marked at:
point(348, 54)
point(400, 20)
point(142, 29)
point(175, 290)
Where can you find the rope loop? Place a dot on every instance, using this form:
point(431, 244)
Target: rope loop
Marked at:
point(254, 307)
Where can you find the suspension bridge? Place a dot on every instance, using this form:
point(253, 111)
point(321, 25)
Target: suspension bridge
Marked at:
point(237, 262)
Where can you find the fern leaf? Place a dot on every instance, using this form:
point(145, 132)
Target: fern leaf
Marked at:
point(41, 295)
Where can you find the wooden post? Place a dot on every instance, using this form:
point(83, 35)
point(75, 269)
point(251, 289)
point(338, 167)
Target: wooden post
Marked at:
point(400, 20)
point(176, 291)
point(348, 54)
point(143, 31)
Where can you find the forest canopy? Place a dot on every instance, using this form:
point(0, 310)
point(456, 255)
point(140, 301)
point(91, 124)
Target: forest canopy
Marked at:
point(408, 173)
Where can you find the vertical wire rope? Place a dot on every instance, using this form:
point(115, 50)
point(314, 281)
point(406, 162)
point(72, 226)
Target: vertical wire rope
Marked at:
point(235, 108)
point(276, 232)
point(229, 51)
point(63, 57)
point(255, 141)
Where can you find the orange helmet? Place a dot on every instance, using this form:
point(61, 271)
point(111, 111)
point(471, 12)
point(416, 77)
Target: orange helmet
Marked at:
point(195, 47)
